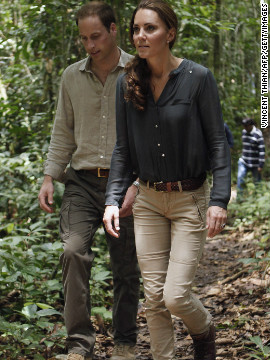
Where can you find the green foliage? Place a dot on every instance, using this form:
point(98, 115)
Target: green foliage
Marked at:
point(253, 206)
point(101, 279)
point(263, 352)
point(37, 41)
point(27, 338)
point(261, 261)
point(29, 260)
point(103, 312)
point(253, 210)
point(250, 213)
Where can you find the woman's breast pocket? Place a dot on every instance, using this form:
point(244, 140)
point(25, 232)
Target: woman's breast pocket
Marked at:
point(181, 107)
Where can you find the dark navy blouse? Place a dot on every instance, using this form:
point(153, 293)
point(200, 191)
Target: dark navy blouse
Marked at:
point(178, 137)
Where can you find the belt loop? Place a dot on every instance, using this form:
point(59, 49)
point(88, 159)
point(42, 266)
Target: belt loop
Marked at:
point(147, 184)
point(180, 186)
point(169, 186)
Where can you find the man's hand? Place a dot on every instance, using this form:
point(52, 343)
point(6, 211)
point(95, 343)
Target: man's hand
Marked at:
point(259, 169)
point(126, 208)
point(111, 220)
point(45, 196)
point(216, 218)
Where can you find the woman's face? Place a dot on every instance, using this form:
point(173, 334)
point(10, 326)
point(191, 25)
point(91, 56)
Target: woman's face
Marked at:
point(151, 35)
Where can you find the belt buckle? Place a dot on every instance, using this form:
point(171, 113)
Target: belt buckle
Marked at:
point(155, 186)
point(180, 186)
point(99, 175)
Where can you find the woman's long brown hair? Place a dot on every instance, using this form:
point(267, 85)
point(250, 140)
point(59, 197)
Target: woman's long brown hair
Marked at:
point(138, 73)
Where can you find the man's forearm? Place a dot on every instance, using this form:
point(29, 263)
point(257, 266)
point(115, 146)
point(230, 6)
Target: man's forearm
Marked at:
point(47, 178)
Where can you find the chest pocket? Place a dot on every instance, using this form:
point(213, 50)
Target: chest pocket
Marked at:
point(181, 101)
point(181, 109)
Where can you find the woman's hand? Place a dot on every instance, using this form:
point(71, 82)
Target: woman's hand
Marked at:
point(216, 218)
point(111, 220)
point(126, 209)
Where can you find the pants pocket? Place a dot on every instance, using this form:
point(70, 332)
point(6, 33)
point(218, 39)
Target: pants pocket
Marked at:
point(136, 197)
point(200, 201)
point(200, 216)
point(64, 220)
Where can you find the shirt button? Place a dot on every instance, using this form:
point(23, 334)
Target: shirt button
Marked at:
point(101, 156)
point(156, 126)
point(163, 155)
point(102, 136)
point(104, 96)
point(158, 144)
point(103, 116)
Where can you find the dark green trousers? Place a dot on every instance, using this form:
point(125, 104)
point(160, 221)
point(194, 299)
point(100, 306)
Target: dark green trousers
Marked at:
point(81, 215)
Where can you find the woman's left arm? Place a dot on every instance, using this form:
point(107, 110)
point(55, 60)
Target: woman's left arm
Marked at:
point(218, 148)
point(219, 154)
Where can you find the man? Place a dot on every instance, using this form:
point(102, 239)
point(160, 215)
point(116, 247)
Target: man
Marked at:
point(253, 153)
point(84, 136)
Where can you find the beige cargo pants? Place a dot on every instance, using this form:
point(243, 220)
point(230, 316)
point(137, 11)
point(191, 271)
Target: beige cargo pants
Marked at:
point(170, 234)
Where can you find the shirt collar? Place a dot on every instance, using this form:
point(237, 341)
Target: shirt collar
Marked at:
point(124, 58)
point(178, 69)
point(253, 130)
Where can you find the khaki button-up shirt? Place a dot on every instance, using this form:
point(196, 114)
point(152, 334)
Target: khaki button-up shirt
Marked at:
point(84, 132)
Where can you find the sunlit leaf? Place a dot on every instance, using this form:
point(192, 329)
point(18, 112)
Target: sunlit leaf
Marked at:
point(48, 312)
point(30, 311)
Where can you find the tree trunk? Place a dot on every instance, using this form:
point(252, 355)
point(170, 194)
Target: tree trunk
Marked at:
point(217, 49)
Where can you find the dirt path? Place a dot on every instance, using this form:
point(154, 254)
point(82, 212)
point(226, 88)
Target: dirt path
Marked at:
point(234, 294)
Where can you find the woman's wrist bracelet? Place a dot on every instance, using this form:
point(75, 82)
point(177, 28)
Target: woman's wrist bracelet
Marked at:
point(136, 183)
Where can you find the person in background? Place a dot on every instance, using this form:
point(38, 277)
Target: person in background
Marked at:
point(229, 135)
point(84, 136)
point(253, 154)
point(170, 132)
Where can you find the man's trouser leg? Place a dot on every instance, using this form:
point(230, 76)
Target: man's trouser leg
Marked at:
point(241, 174)
point(81, 214)
point(126, 282)
point(79, 220)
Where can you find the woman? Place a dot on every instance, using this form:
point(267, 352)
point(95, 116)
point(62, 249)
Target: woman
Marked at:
point(169, 133)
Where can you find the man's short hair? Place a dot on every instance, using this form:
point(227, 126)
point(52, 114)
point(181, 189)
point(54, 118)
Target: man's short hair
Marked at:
point(248, 121)
point(97, 8)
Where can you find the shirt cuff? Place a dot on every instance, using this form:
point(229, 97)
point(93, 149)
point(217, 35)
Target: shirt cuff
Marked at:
point(111, 203)
point(217, 203)
point(55, 171)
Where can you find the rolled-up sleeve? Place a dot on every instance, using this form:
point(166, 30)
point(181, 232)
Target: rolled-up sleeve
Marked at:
point(62, 143)
point(261, 148)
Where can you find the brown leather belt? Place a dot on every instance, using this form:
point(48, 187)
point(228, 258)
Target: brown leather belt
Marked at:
point(98, 172)
point(183, 185)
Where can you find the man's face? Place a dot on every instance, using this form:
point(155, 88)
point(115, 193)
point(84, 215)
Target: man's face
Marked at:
point(248, 128)
point(96, 39)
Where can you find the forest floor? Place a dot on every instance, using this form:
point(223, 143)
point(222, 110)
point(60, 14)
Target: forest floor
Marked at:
point(235, 294)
